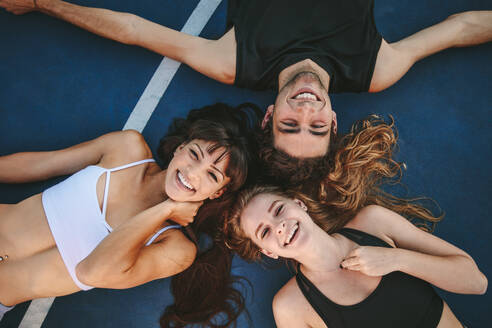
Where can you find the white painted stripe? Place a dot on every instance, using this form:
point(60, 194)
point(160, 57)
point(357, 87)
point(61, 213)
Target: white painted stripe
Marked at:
point(38, 309)
point(165, 72)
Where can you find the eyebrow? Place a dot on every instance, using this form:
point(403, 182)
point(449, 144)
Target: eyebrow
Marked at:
point(216, 169)
point(272, 205)
point(218, 160)
point(294, 131)
point(257, 230)
point(316, 133)
point(282, 130)
point(199, 148)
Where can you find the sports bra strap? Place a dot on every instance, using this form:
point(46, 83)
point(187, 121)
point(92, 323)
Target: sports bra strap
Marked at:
point(160, 232)
point(320, 303)
point(362, 238)
point(131, 164)
point(106, 188)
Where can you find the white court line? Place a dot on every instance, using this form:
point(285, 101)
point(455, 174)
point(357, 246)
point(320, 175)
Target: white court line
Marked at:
point(166, 70)
point(38, 309)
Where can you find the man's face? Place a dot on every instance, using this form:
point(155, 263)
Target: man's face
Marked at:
point(302, 117)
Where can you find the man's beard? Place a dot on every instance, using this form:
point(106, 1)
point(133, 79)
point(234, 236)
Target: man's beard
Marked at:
point(301, 75)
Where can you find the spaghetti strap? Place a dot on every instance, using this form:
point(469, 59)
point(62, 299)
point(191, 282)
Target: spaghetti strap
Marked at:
point(160, 232)
point(106, 188)
point(122, 167)
point(105, 201)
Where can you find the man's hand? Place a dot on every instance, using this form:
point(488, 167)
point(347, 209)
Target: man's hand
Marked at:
point(19, 7)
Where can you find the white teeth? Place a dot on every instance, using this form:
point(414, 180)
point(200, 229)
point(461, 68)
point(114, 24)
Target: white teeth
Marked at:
point(184, 181)
point(291, 234)
point(306, 96)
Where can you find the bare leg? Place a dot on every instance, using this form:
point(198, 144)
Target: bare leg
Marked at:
point(460, 30)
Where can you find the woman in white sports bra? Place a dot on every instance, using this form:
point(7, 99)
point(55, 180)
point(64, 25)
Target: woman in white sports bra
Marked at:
point(107, 225)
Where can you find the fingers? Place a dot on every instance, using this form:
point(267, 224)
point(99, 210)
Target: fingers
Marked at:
point(354, 253)
point(356, 267)
point(350, 262)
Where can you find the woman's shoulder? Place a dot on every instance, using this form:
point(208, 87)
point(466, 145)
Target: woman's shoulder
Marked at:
point(288, 294)
point(124, 147)
point(288, 304)
point(375, 220)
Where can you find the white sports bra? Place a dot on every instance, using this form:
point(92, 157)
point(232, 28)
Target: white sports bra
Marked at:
point(76, 221)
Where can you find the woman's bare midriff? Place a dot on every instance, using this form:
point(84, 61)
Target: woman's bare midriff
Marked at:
point(32, 266)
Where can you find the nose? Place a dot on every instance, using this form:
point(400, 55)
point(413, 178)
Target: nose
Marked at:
point(305, 106)
point(193, 172)
point(280, 229)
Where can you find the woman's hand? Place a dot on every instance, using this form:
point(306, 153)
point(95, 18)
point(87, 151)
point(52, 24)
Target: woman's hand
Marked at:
point(182, 212)
point(18, 7)
point(371, 260)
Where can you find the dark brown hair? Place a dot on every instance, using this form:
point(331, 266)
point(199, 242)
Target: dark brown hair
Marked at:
point(206, 288)
point(278, 167)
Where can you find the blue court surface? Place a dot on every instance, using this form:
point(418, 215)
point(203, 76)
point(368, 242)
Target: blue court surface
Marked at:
point(60, 85)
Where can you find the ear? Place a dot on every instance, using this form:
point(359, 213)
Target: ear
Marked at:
point(267, 117)
point(269, 254)
point(301, 204)
point(218, 193)
point(334, 123)
point(180, 147)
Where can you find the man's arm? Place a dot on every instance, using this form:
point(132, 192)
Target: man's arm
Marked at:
point(213, 58)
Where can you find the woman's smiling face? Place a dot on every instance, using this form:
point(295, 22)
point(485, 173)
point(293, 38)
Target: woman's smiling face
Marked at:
point(279, 226)
point(195, 173)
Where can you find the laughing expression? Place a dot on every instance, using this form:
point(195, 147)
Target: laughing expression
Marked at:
point(195, 174)
point(303, 117)
point(278, 225)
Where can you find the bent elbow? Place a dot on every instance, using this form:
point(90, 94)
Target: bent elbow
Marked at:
point(89, 275)
point(84, 274)
point(484, 283)
point(128, 33)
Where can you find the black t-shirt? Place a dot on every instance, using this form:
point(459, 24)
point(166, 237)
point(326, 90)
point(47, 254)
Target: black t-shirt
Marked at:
point(340, 36)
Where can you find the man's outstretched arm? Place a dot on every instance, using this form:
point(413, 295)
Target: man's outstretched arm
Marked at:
point(214, 58)
point(459, 30)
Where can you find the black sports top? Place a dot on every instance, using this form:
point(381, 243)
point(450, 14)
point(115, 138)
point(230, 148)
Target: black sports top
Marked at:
point(400, 300)
point(339, 35)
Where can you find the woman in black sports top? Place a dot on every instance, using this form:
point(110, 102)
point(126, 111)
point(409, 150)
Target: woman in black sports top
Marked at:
point(375, 271)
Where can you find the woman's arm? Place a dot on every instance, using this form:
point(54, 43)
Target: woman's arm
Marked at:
point(417, 253)
point(122, 260)
point(37, 166)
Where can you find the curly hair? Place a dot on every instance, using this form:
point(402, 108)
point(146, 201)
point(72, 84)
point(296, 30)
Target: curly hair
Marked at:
point(352, 176)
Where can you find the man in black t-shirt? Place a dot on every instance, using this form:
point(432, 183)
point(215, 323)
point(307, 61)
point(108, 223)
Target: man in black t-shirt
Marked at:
point(343, 54)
